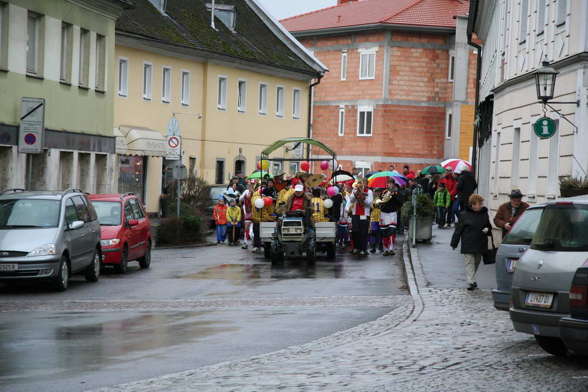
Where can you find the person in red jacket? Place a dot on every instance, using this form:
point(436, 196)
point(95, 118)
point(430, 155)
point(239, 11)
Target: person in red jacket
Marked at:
point(219, 214)
point(451, 185)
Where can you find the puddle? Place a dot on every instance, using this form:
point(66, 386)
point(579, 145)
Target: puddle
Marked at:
point(250, 272)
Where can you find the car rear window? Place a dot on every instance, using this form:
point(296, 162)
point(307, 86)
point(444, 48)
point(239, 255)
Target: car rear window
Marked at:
point(109, 212)
point(563, 227)
point(523, 231)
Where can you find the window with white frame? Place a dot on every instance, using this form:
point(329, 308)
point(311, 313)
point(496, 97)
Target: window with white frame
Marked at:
point(344, 61)
point(540, 16)
point(222, 92)
point(66, 52)
point(123, 77)
point(147, 80)
point(242, 96)
point(341, 127)
point(524, 21)
point(3, 34)
point(280, 101)
point(367, 64)
point(554, 162)
point(185, 97)
point(365, 117)
point(296, 103)
point(166, 85)
point(562, 12)
point(516, 156)
point(84, 60)
point(451, 75)
point(449, 125)
point(263, 98)
point(276, 168)
point(225, 13)
point(100, 83)
point(34, 43)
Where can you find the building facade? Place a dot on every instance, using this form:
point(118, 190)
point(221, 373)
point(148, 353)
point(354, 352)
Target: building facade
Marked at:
point(231, 88)
point(401, 86)
point(517, 36)
point(62, 52)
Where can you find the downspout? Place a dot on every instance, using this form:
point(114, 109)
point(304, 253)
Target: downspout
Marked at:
point(310, 103)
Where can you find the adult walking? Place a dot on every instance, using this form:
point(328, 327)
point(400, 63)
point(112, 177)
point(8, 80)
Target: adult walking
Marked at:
point(472, 230)
point(361, 200)
point(390, 204)
point(451, 185)
point(466, 186)
point(509, 212)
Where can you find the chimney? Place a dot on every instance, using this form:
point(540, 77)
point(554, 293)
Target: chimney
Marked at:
point(339, 2)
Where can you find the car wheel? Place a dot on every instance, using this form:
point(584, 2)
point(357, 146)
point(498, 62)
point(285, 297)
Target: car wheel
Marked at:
point(93, 271)
point(554, 346)
point(61, 281)
point(124, 261)
point(145, 261)
point(331, 251)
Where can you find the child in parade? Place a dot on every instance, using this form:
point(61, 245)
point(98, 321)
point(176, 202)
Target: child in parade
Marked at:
point(442, 201)
point(233, 222)
point(219, 214)
point(375, 238)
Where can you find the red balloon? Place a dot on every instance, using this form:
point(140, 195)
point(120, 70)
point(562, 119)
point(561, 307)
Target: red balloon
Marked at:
point(305, 166)
point(258, 165)
point(324, 165)
point(268, 201)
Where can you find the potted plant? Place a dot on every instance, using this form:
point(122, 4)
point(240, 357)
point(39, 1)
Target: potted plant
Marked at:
point(570, 186)
point(424, 217)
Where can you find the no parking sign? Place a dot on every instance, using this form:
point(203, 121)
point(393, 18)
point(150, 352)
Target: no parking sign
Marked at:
point(32, 125)
point(173, 147)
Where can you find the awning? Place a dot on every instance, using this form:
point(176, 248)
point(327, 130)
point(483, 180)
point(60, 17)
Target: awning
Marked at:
point(139, 141)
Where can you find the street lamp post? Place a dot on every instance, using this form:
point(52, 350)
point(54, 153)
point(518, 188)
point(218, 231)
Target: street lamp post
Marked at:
point(545, 82)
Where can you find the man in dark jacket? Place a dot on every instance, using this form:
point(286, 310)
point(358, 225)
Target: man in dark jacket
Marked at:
point(466, 185)
point(509, 212)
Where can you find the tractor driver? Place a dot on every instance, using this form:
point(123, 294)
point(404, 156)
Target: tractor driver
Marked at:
point(299, 201)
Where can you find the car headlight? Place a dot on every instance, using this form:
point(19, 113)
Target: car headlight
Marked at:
point(44, 250)
point(111, 242)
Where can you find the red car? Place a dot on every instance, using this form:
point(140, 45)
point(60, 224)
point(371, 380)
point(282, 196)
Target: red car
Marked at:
point(125, 230)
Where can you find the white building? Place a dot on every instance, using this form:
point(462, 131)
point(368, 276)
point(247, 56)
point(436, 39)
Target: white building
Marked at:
point(516, 37)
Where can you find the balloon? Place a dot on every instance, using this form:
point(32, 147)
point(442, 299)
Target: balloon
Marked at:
point(304, 166)
point(265, 165)
point(328, 203)
point(325, 165)
point(259, 203)
point(332, 191)
point(258, 165)
point(267, 201)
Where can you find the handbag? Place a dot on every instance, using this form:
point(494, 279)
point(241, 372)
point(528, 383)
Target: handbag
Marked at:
point(489, 257)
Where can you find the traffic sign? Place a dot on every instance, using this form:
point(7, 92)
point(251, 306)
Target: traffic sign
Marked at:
point(545, 127)
point(173, 148)
point(32, 125)
point(173, 127)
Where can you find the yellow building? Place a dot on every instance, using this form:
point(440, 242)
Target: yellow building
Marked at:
point(232, 87)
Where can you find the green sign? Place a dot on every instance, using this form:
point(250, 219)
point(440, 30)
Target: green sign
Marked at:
point(544, 127)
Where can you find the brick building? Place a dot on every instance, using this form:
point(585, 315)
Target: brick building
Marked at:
point(401, 86)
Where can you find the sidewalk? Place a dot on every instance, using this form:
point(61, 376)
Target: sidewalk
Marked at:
point(444, 267)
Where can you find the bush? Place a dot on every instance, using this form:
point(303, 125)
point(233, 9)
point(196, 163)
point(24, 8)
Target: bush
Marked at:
point(570, 187)
point(195, 198)
point(177, 231)
point(424, 207)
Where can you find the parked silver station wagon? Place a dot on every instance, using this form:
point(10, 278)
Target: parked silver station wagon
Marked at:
point(48, 236)
point(544, 275)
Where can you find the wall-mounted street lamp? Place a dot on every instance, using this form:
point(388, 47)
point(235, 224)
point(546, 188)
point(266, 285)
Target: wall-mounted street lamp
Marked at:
point(545, 78)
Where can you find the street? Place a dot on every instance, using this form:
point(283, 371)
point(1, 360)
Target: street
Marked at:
point(193, 308)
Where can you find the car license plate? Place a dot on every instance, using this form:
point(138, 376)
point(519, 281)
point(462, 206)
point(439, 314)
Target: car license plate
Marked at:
point(8, 267)
point(541, 300)
point(510, 265)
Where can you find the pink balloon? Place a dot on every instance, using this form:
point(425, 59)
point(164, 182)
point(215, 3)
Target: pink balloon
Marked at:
point(332, 191)
point(324, 165)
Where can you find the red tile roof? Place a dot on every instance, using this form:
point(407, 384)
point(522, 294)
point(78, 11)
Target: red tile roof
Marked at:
point(431, 13)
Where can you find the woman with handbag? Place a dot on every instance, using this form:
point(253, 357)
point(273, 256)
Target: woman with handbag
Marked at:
point(473, 230)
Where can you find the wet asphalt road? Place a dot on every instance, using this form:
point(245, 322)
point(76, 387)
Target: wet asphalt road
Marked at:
point(194, 307)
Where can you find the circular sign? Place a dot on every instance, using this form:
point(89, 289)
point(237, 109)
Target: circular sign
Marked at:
point(173, 142)
point(30, 138)
point(544, 128)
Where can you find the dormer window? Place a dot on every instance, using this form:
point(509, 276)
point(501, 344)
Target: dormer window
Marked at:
point(225, 13)
point(159, 4)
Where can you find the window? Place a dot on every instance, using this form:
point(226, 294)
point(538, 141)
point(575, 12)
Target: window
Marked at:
point(242, 96)
point(364, 121)
point(159, 4)
point(449, 125)
point(280, 101)
point(524, 21)
point(516, 156)
point(276, 168)
point(344, 65)
point(123, 77)
point(34, 43)
point(81, 208)
point(147, 80)
point(100, 62)
point(562, 12)
point(166, 85)
point(533, 157)
point(185, 88)
point(497, 164)
point(71, 214)
point(562, 228)
point(3, 34)
point(540, 16)
point(367, 64)
point(222, 93)
point(137, 211)
point(220, 171)
point(554, 159)
point(84, 64)
point(296, 103)
point(225, 13)
point(263, 98)
point(128, 212)
point(341, 129)
point(451, 76)
point(66, 52)
point(522, 232)
point(192, 167)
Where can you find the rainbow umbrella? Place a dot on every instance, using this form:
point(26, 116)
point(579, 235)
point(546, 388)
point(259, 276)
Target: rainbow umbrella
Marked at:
point(387, 174)
point(382, 182)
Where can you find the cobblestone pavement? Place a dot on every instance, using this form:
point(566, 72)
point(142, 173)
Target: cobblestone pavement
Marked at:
point(447, 340)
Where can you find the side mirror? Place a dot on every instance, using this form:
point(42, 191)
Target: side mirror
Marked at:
point(76, 225)
point(133, 222)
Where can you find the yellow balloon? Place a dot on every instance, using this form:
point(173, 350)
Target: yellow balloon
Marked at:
point(264, 165)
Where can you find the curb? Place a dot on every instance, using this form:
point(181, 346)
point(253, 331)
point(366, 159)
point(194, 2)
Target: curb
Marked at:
point(187, 246)
point(415, 280)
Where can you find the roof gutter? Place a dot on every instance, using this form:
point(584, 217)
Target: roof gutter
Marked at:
point(369, 27)
point(471, 23)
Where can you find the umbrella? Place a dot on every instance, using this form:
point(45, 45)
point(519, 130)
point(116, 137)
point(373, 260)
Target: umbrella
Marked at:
point(387, 174)
point(342, 176)
point(436, 169)
point(382, 182)
point(457, 165)
point(258, 175)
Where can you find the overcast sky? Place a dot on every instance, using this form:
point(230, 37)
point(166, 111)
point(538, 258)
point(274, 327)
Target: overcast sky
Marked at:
point(284, 8)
